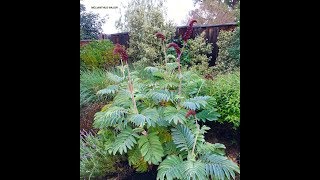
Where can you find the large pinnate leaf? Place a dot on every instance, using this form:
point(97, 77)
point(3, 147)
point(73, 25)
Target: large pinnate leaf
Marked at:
point(206, 147)
point(193, 170)
point(219, 167)
point(149, 116)
point(151, 148)
point(136, 160)
point(112, 89)
point(110, 117)
point(160, 95)
point(170, 168)
point(195, 103)
point(183, 137)
point(124, 141)
point(114, 78)
point(172, 114)
point(208, 115)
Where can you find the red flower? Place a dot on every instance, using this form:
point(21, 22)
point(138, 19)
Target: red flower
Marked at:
point(119, 50)
point(175, 46)
point(187, 34)
point(161, 36)
point(190, 112)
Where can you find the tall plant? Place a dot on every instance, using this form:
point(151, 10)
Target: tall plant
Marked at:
point(156, 124)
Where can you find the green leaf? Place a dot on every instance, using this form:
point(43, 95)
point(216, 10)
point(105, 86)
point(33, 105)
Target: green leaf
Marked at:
point(219, 167)
point(207, 147)
point(136, 160)
point(149, 116)
point(124, 141)
point(114, 78)
point(170, 168)
point(123, 99)
point(172, 114)
point(110, 117)
point(112, 89)
point(151, 69)
point(196, 102)
point(160, 95)
point(209, 115)
point(183, 137)
point(151, 148)
point(172, 66)
point(193, 170)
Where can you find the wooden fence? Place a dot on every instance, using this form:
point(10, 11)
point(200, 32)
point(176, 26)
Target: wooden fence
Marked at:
point(212, 32)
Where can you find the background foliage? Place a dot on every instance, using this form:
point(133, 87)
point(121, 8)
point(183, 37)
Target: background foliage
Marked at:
point(99, 54)
point(143, 19)
point(90, 24)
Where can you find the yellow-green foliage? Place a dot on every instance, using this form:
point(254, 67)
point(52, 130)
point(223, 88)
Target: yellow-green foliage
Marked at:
point(99, 54)
point(225, 88)
point(198, 50)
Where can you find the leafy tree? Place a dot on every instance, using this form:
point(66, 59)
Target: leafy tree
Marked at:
point(213, 12)
point(90, 24)
point(143, 19)
point(230, 3)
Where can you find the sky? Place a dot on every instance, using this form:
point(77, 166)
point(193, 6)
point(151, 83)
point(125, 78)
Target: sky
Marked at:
point(177, 11)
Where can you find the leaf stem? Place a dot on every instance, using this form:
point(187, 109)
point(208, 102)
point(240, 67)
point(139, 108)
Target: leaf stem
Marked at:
point(195, 140)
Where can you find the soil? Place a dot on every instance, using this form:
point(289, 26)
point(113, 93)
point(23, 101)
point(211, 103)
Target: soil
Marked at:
point(87, 115)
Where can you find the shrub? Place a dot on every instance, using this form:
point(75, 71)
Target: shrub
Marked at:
point(95, 161)
point(155, 116)
point(226, 90)
point(99, 54)
point(234, 49)
point(198, 52)
point(229, 51)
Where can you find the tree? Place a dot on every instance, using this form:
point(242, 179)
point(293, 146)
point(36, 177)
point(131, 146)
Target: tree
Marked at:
point(213, 12)
point(230, 3)
point(143, 19)
point(90, 24)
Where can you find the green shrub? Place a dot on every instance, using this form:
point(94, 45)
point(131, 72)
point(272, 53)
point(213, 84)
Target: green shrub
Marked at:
point(157, 124)
point(99, 54)
point(95, 161)
point(234, 49)
point(226, 90)
point(91, 81)
point(198, 52)
point(229, 52)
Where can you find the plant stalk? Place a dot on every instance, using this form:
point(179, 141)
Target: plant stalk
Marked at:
point(179, 69)
point(195, 140)
point(165, 56)
point(130, 84)
point(122, 70)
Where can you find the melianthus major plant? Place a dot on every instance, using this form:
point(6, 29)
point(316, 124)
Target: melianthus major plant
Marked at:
point(155, 115)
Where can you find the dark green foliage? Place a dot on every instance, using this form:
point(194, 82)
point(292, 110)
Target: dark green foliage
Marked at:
point(90, 24)
point(234, 49)
point(228, 59)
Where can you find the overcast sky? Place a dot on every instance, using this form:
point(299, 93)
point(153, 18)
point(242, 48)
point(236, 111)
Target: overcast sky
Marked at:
point(177, 11)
